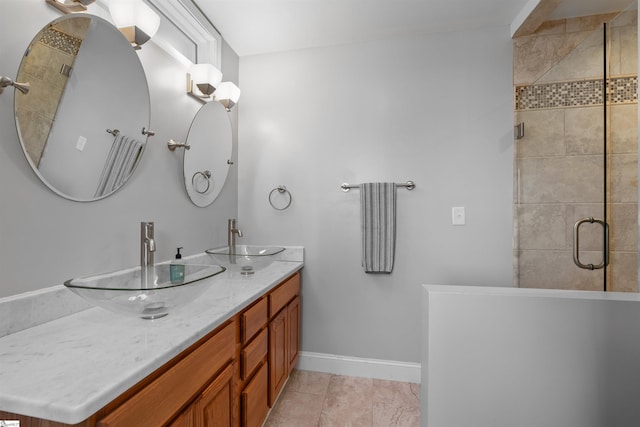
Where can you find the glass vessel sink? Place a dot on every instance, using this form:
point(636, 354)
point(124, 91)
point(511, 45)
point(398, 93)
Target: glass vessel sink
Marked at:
point(247, 259)
point(150, 295)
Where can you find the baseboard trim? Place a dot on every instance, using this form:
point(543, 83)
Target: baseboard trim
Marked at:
point(359, 367)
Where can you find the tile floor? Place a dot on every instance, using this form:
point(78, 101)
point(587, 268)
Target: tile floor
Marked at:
point(314, 399)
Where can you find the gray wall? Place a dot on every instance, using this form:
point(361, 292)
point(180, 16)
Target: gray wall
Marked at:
point(435, 109)
point(45, 239)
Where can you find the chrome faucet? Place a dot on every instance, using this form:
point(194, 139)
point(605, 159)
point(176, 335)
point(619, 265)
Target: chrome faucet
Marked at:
point(147, 244)
point(232, 231)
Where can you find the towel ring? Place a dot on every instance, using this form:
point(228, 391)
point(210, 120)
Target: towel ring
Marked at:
point(206, 175)
point(280, 189)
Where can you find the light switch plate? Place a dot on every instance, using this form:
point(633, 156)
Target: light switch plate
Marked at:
point(458, 215)
point(81, 143)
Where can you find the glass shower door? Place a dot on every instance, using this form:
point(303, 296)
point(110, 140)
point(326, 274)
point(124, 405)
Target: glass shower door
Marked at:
point(621, 110)
point(575, 193)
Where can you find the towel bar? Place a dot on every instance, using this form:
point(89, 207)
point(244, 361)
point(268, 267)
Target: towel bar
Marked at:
point(410, 185)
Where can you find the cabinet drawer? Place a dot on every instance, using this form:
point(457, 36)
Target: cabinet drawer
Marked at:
point(252, 320)
point(254, 399)
point(163, 398)
point(281, 296)
point(254, 353)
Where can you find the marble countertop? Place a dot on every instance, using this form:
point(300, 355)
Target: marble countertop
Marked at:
point(67, 369)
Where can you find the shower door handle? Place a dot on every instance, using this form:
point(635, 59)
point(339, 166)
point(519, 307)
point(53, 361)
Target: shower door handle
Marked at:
point(576, 244)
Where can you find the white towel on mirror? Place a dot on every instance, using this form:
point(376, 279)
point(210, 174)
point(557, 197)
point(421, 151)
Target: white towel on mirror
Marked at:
point(378, 220)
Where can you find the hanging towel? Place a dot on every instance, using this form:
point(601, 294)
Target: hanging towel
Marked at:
point(122, 160)
point(378, 218)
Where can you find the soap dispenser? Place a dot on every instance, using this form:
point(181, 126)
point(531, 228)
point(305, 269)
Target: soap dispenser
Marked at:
point(176, 269)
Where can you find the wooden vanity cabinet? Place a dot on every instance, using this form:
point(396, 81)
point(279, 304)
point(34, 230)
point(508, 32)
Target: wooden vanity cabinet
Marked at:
point(284, 333)
point(229, 378)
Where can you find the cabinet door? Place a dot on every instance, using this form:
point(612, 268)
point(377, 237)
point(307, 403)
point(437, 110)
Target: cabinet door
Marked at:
point(214, 408)
point(254, 399)
point(185, 419)
point(278, 363)
point(293, 332)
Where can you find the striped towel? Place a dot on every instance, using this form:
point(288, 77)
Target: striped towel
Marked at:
point(378, 217)
point(123, 159)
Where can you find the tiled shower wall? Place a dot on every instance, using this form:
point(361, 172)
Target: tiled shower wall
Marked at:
point(58, 46)
point(559, 170)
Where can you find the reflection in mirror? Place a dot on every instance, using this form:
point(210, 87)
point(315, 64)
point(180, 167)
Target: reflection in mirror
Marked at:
point(81, 123)
point(206, 163)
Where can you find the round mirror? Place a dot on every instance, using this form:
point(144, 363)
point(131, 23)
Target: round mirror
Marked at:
point(82, 123)
point(207, 162)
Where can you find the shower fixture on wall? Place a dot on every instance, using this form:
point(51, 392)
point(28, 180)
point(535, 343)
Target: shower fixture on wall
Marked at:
point(6, 81)
point(518, 131)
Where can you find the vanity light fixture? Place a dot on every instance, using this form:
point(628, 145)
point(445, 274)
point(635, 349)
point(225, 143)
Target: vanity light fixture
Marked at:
point(227, 94)
point(202, 81)
point(70, 6)
point(6, 81)
point(137, 21)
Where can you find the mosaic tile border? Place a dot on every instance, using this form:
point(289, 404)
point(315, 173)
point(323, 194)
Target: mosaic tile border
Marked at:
point(575, 94)
point(61, 41)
